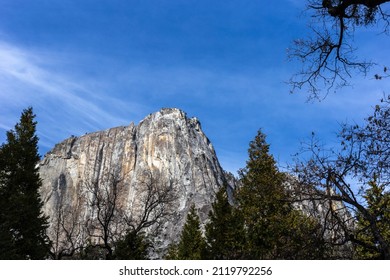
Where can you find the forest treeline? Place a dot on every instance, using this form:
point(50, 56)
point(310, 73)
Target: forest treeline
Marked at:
point(333, 204)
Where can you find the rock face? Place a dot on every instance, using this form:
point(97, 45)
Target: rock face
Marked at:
point(167, 143)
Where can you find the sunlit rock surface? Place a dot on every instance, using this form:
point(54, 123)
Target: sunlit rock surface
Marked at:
point(167, 143)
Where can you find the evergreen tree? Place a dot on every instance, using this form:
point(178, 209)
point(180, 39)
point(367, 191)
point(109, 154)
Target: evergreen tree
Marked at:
point(225, 232)
point(274, 229)
point(172, 252)
point(134, 246)
point(23, 225)
point(192, 244)
point(378, 206)
point(7, 248)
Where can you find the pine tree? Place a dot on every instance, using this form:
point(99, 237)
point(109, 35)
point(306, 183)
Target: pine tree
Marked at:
point(274, 229)
point(225, 232)
point(134, 246)
point(192, 244)
point(171, 253)
point(260, 199)
point(378, 206)
point(23, 225)
point(7, 248)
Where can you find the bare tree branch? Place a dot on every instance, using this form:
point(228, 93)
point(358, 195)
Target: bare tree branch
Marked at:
point(156, 198)
point(112, 221)
point(68, 232)
point(334, 177)
point(106, 225)
point(327, 59)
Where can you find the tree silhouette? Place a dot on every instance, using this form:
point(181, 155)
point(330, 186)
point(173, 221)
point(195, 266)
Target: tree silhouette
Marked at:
point(328, 57)
point(22, 223)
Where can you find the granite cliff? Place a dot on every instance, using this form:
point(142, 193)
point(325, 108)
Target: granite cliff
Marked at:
point(166, 145)
point(153, 171)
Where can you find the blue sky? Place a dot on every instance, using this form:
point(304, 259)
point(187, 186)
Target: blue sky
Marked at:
point(88, 65)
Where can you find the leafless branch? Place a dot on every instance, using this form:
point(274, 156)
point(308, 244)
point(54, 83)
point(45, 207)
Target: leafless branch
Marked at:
point(106, 224)
point(111, 221)
point(67, 229)
point(333, 176)
point(327, 59)
point(156, 198)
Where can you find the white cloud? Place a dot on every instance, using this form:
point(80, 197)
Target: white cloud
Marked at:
point(65, 104)
point(231, 105)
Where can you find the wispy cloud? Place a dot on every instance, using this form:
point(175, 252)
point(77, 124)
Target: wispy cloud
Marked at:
point(65, 104)
point(232, 105)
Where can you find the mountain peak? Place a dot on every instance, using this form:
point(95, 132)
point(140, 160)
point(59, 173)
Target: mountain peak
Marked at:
point(165, 144)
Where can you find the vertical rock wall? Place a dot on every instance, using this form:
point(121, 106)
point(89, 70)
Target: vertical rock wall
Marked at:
point(166, 143)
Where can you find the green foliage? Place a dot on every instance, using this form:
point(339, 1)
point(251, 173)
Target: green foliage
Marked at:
point(225, 235)
point(274, 229)
point(22, 223)
point(172, 252)
point(192, 245)
point(378, 206)
point(91, 252)
point(134, 246)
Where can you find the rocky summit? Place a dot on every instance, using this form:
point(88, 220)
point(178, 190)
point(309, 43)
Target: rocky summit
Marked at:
point(167, 146)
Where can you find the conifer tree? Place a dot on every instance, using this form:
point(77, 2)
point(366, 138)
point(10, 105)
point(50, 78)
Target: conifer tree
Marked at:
point(172, 252)
point(378, 206)
point(225, 232)
point(22, 223)
point(274, 229)
point(134, 246)
point(192, 244)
